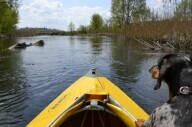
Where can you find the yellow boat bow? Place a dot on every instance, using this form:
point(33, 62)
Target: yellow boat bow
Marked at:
point(92, 101)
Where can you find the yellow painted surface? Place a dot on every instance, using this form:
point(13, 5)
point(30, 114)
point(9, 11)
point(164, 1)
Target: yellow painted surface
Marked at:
point(90, 85)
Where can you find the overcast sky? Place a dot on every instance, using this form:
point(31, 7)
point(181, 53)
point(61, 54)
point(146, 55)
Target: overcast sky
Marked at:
point(59, 13)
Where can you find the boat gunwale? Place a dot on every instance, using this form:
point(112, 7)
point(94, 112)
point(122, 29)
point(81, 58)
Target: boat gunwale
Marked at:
point(82, 99)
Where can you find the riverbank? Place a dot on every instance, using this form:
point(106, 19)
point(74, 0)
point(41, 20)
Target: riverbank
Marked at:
point(174, 34)
point(157, 44)
point(167, 34)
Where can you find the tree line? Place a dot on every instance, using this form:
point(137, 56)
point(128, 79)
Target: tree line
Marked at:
point(124, 12)
point(170, 27)
point(8, 16)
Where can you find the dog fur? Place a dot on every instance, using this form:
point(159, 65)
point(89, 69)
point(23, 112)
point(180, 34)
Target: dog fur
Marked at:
point(175, 71)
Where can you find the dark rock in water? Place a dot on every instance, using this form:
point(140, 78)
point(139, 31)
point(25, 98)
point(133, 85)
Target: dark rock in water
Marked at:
point(39, 43)
point(24, 45)
point(19, 46)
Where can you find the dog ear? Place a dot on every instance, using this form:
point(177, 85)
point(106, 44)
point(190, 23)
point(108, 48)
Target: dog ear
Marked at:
point(155, 74)
point(154, 71)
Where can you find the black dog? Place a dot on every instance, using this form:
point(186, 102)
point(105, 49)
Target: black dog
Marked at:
point(176, 72)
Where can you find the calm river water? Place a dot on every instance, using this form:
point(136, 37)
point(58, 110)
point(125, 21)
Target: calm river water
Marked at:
point(31, 78)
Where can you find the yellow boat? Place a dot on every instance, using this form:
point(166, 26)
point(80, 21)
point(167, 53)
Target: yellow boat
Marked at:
point(92, 101)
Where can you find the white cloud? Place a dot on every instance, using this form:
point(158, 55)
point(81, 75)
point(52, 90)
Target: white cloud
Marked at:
point(162, 7)
point(155, 4)
point(52, 14)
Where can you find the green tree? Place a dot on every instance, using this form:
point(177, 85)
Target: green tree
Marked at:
point(125, 12)
point(8, 17)
point(13, 3)
point(184, 9)
point(71, 27)
point(96, 22)
point(82, 29)
point(140, 12)
point(117, 13)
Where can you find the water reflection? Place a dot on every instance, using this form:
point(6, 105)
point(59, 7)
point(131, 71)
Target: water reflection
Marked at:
point(30, 79)
point(96, 45)
point(125, 60)
point(13, 83)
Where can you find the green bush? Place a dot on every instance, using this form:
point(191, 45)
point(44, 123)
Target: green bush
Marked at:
point(8, 17)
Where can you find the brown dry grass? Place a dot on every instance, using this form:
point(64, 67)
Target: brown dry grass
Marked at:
point(176, 32)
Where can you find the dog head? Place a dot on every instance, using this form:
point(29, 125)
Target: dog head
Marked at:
point(170, 69)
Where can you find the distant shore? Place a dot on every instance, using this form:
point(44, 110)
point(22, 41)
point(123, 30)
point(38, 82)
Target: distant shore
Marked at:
point(165, 42)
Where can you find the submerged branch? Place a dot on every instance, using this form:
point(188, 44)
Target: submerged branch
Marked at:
point(155, 45)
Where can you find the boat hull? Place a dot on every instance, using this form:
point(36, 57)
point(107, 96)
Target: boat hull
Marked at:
point(98, 93)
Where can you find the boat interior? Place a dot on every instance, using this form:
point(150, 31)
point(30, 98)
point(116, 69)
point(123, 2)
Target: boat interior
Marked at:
point(93, 115)
point(93, 119)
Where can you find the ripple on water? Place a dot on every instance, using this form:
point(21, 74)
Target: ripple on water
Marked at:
point(12, 103)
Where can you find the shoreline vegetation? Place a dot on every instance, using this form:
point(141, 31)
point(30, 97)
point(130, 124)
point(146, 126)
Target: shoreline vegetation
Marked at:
point(8, 17)
point(170, 28)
